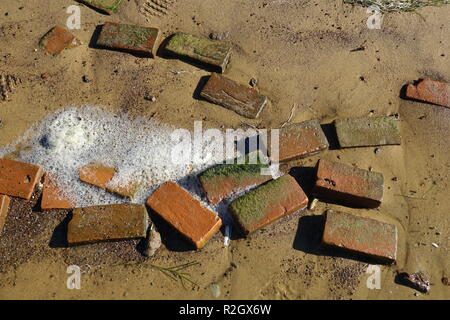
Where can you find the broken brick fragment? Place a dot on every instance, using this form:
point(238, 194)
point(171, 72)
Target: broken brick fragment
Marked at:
point(268, 203)
point(185, 213)
point(234, 96)
point(106, 6)
point(53, 197)
point(416, 281)
point(364, 236)
point(102, 176)
point(300, 140)
point(358, 187)
point(18, 179)
point(4, 208)
point(430, 91)
point(366, 132)
point(221, 181)
point(135, 39)
point(210, 52)
point(56, 40)
point(105, 223)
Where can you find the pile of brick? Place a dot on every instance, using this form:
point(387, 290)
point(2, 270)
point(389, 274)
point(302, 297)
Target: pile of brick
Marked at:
point(255, 200)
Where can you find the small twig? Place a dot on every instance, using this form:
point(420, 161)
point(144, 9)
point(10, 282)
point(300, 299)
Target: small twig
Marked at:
point(294, 106)
point(181, 72)
point(417, 198)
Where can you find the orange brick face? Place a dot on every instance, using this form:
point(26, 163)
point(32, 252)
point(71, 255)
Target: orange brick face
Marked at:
point(52, 197)
point(364, 236)
point(430, 91)
point(18, 179)
point(340, 182)
point(185, 213)
point(4, 208)
point(56, 40)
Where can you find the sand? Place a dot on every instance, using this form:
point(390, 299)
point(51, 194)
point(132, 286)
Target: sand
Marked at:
point(300, 52)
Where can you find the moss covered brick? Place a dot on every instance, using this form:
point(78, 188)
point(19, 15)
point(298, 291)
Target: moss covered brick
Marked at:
point(211, 52)
point(106, 6)
point(135, 39)
point(268, 203)
point(223, 180)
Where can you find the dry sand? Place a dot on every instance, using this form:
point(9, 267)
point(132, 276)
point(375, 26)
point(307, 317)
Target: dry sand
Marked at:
point(300, 52)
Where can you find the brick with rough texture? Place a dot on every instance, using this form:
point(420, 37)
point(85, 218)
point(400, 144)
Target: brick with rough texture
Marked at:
point(135, 39)
point(53, 197)
point(234, 96)
point(101, 176)
point(18, 179)
point(185, 213)
point(4, 208)
point(268, 203)
point(364, 236)
point(105, 223)
point(224, 180)
point(211, 52)
point(358, 187)
point(430, 91)
point(106, 6)
point(56, 40)
point(300, 140)
point(366, 132)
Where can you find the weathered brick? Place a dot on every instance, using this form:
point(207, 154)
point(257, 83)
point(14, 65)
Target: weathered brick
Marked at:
point(106, 6)
point(56, 40)
point(358, 187)
point(210, 52)
point(430, 91)
point(101, 176)
point(18, 179)
point(185, 213)
point(135, 39)
point(225, 92)
point(53, 197)
point(4, 208)
point(224, 180)
point(364, 236)
point(300, 140)
point(366, 132)
point(110, 222)
point(268, 203)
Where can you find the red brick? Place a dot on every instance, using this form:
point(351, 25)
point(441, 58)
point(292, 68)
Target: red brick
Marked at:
point(105, 223)
point(101, 176)
point(268, 203)
point(234, 96)
point(19, 179)
point(135, 39)
point(56, 40)
point(300, 140)
point(53, 197)
point(223, 180)
point(4, 208)
point(363, 236)
point(358, 187)
point(185, 213)
point(430, 91)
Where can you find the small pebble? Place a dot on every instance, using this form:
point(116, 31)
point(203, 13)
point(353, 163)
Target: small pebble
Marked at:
point(435, 245)
point(253, 82)
point(86, 79)
point(376, 150)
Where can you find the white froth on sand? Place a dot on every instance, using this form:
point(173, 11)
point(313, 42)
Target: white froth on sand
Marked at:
point(140, 149)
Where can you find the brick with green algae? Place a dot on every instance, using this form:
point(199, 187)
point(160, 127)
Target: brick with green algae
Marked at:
point(135, 39)
point(106, 6)
point(211, 52)
point(366, 132)
point(224, 180)
point(364, 236)
point(268, 203)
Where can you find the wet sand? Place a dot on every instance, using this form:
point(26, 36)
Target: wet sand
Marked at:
point(300, 52)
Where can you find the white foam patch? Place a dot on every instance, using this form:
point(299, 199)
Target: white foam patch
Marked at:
point(140, 149)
